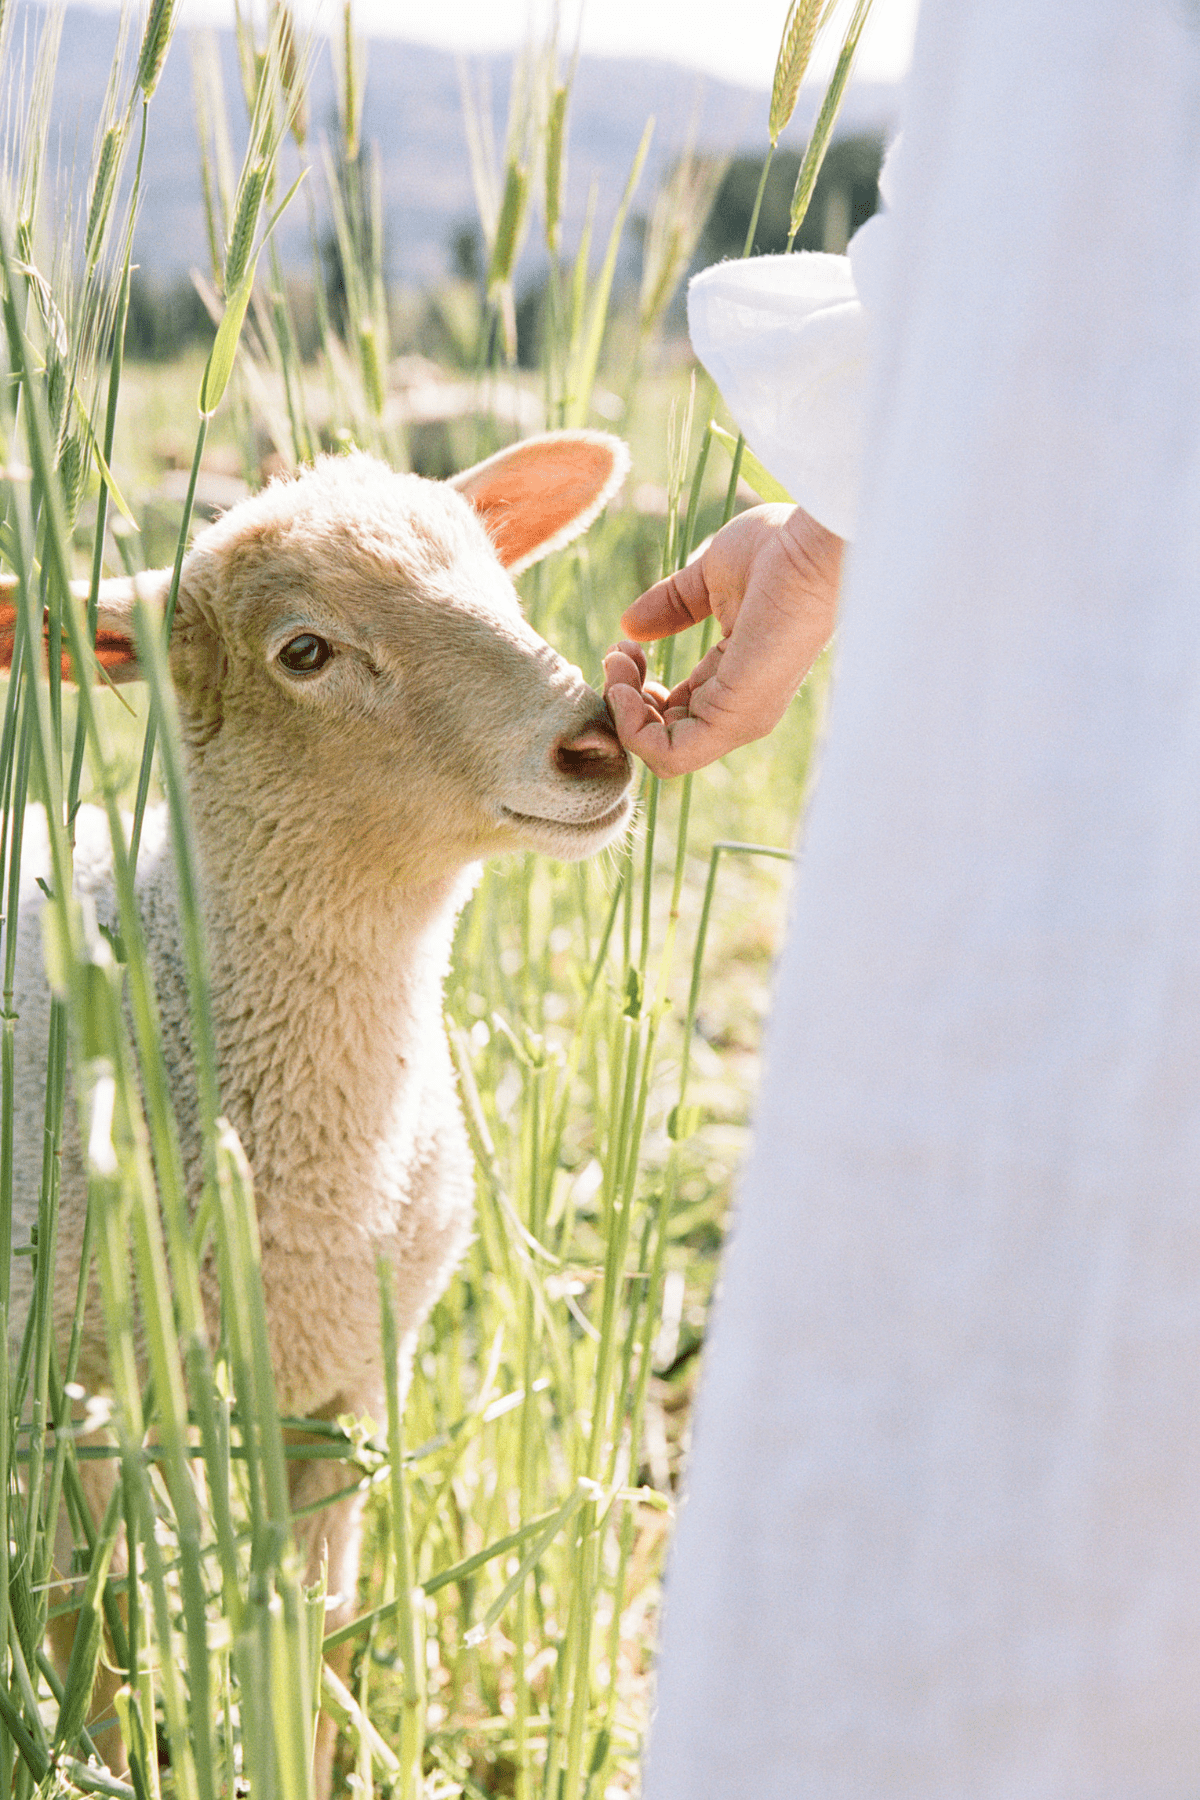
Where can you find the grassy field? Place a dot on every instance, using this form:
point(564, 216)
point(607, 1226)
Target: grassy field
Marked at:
point(604, 1018)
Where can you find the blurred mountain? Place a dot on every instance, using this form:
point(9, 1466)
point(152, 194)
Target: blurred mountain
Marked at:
point(414, 114)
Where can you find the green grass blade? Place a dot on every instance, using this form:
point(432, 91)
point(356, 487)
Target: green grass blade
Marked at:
point(749, 467)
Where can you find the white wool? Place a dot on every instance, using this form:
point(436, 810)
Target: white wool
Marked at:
point(93, 846)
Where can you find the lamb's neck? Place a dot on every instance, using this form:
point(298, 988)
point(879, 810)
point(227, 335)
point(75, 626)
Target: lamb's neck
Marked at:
point(343, 932)
point(327, 994)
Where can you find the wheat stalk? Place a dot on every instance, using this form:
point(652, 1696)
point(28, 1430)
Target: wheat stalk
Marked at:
point(800, 28)
point(831, 106)
point(155, 41)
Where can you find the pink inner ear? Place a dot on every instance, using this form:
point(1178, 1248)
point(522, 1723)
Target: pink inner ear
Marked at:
point(116, 653)
point(115, 650)
point(530, 494)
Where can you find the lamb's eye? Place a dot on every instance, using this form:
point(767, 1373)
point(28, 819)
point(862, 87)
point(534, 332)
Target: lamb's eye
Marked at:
point(305, 654)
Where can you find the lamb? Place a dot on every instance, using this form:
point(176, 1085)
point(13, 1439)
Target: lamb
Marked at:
point(366, 713)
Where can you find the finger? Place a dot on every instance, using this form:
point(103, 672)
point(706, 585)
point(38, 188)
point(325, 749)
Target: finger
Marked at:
point(672, 745)
point(668, 746)
point(632, 653)
point(621, 669)
point(635, 653)
point(634, 717)
point(671, 605)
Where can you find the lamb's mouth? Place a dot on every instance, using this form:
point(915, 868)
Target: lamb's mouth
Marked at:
point(583, 827)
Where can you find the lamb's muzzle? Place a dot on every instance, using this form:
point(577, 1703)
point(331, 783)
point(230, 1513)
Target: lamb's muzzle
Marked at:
point(587, 800)
point(595, 753)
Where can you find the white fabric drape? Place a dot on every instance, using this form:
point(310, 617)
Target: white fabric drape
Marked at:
point(943, 1533)
point(787, 341)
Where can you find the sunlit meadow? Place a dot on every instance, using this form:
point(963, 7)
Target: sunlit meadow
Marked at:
point(603, 1018)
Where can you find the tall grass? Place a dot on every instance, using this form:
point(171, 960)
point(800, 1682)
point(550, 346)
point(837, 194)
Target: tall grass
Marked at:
point(520, 1492)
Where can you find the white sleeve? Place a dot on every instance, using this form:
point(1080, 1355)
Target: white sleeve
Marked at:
point(785, 338)
point(788, 341)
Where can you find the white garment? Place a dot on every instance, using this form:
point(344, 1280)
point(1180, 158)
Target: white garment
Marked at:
point(788, 341)
point(943, 1534)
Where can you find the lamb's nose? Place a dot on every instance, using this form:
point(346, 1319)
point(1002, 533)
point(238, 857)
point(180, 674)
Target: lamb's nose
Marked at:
point(594, 754)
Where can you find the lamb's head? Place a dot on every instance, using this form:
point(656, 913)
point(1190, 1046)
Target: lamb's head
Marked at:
point(352, 664)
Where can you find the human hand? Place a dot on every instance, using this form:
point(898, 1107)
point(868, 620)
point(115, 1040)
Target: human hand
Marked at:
point(770, 579)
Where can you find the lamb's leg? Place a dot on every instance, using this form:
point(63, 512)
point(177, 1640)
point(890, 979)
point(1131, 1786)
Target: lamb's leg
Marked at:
point(97, 1478)
point(330, 1539)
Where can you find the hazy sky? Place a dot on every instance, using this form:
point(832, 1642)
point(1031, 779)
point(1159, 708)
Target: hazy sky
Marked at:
point(736, 39)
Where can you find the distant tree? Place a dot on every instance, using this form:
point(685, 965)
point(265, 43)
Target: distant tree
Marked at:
point(165, 318)
point(531, 324)
point(468, 269)
point(846, 195)
point(467, 254)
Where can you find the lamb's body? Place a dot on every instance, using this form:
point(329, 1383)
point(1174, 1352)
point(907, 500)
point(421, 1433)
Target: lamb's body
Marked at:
point(338, 808)
point(336, 1076)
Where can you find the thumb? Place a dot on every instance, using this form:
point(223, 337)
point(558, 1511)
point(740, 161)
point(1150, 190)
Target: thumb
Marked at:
point(671, 605)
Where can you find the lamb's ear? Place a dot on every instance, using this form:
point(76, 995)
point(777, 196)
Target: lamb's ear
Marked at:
point(536, 496)
point(116, 650)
